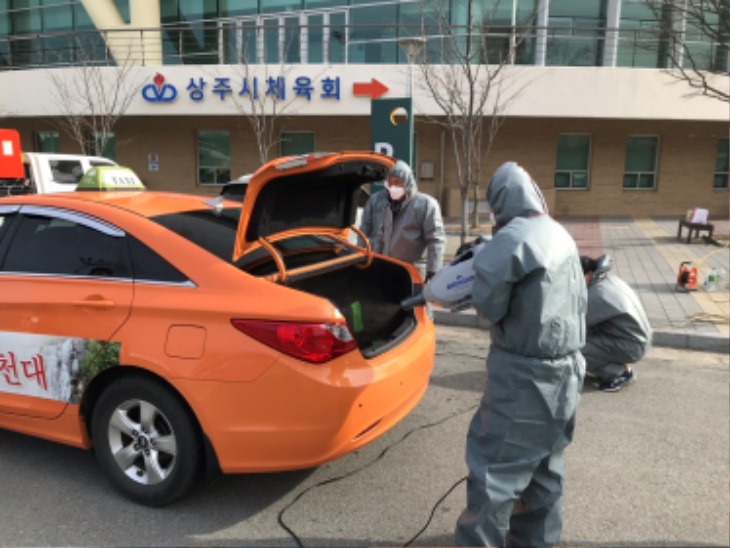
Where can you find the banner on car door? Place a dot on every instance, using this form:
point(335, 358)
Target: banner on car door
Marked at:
point(52, 367)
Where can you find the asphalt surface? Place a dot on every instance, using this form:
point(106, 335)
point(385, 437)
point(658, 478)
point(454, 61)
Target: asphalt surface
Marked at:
point(647, 254)
point(649, 466)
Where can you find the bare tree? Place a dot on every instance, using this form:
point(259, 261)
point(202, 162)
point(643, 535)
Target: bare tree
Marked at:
point(265, 96)
point(467, 71)
point(694, 37)
point(92, 98)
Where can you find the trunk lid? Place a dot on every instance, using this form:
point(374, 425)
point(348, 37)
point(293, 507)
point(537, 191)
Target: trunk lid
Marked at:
point(313, 194)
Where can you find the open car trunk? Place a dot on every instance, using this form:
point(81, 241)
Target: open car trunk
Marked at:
point(369, 298)
point(293, 230)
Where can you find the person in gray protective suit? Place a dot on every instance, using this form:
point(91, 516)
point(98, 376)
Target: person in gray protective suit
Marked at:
point(529, 285)
point(618, 331)
point(402, 223)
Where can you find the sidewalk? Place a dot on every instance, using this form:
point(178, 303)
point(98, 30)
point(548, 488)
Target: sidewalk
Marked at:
point(647, 254)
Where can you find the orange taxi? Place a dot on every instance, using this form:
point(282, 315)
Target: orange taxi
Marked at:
point(172, 332)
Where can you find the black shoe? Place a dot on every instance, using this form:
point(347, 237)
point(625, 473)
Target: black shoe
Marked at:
point(615, 384)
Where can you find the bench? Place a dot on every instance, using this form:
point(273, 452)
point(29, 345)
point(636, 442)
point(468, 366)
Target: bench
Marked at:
point(696, 227)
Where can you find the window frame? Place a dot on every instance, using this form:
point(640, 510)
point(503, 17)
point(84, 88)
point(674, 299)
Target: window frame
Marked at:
point(298, 132)
point(573, 171)
point(200, 166)
point(654, 173)
point(725, 173)
point(79, 218)
point(111, 145)
point(37, 141)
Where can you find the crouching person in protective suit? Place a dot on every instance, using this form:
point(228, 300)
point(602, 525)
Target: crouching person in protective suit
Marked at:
point(618, 331)
point(529, 284)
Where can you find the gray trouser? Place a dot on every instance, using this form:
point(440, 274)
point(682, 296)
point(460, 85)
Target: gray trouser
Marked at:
point(514, 451)
point(605, 355)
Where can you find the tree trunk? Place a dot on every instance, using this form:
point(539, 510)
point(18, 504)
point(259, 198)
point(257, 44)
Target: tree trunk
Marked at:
point(464, 211)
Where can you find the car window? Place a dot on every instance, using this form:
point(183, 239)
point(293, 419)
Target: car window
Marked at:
point(213, 231)
point(149, 266)
point(66, 172)
point(50, 245)
point(4, 224)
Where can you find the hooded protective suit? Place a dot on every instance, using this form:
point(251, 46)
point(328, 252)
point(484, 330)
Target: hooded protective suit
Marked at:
point(618, 331)
point(530, 285)
point(409, 229)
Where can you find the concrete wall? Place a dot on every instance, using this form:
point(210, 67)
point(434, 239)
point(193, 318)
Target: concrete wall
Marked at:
point(684, 178)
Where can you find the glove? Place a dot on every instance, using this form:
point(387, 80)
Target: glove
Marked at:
point(429, 275)
point(466, 246)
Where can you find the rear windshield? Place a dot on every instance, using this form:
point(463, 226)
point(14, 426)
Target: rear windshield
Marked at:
point(212, 230)
point(216, 233)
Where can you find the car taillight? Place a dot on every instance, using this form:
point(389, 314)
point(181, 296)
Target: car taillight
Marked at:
point(311, 342)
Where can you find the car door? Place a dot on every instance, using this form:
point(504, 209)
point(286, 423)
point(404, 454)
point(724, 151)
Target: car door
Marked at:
point(66, 288)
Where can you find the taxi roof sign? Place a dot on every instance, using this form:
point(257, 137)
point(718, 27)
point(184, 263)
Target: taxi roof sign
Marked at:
point(110, 178)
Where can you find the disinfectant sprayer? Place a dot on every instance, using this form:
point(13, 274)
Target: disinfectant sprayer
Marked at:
point(451, 286)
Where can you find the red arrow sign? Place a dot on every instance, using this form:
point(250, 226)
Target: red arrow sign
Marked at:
point(372, 89)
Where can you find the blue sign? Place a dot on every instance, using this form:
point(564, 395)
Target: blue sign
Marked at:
point(276, 87)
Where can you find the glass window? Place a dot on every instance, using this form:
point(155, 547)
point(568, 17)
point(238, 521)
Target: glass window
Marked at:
point(66, 172)
point(641, 158)
point(104, 144)
point(4, 18)
point(5, 224)
point(337, 37)
point(149, 266)
point(197, 44)
point(58, 17)
point(572, 163)
point(271, 40)
point(214, 157)
point(239, 8)
point(312, 4)
point(26, 18)
point(721, 164)
point(47, 141)
point(315, 38)
point(195, 10)
point(639, 36)
point(169, 11)
point(291, 39)
point(702, 26)
point(82, 21)
point(270, 6)
point(293, 143)
point(49, 245)
point(373, 34)
point(213, 231)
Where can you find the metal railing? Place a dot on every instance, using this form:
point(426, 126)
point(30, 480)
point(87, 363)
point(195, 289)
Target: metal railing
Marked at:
point(233, 42)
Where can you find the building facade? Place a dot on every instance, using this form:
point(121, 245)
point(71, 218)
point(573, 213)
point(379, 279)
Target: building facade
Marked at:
point(193, 93)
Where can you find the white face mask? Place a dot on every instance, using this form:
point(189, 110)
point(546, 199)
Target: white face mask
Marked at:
point(396, 192)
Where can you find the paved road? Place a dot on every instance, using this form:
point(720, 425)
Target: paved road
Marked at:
point(649, 467)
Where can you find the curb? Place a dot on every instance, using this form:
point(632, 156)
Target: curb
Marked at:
point(686, 340)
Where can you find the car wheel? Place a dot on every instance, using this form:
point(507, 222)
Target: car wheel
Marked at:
point(146, 441)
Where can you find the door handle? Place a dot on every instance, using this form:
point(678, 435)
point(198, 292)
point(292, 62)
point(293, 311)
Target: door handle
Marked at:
point(102, 304)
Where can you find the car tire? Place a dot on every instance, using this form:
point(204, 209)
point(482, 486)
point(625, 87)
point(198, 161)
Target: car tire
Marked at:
point(146, 441)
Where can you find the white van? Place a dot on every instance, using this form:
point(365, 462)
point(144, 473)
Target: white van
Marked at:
point(51, 172)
